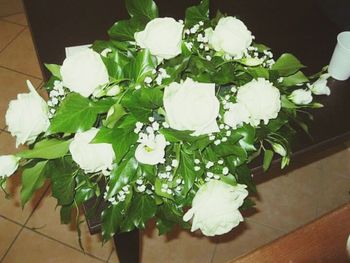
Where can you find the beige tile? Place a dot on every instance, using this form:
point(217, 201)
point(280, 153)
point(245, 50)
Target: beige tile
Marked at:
point(11, 83)
point(337, 163)
point(32, 247)
point(335, 192)
point(20, 55)
point(11, 207)
point(19, 19)
point(9, 231)
point(46, 220)
point(247, 237)
point(114, 258)
point(179, 246)
point(8, 32)
point(9, 7)
point(289, 201)
point(8, 144)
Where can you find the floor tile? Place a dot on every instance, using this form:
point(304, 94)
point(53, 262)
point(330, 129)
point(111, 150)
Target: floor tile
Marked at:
point(8, 32)
point(20, 55)
point(46, 220)
point(19, 19)
point(12, 83)
point(114, 258)
point(335, 192)
point(9, 231)
point(32, 247)
point(288, 201)
point(9, 7)
point(247, 237)
point(179, 246)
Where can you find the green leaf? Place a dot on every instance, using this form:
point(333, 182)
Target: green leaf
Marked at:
point(115, 116)
point(259, 72)
point(186, 171)
point(261, 47)
point(168, 215)
point(146, 9)
point(227, 149)
point(124, 30)
point(115, 63)
point(286, 103)
point(47, 149)
point(268, 156)
point(62, 174)
point(244, 176)
point(248, 137)
point(77, 113)
point(66, 214)
point(120, 138)
point(54, 69)
point(32, 179)
point(122, 175)
point(142, 208)
point(142, 66)
point(195, 14)
point(287, 65)
point(111, 219)
point(158, 189)
point(295, 79)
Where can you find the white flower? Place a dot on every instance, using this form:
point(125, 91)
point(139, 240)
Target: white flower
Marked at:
point(230, 36)
point(91, 157)
point(151, 149)
point(192, 106)
point(319, 87)
point(236, 115)
point(8, 165)
point(215, 207)
point(162, 36)
point(301, 96)
point(27, 116)
point(83, 72)
point(261, 99)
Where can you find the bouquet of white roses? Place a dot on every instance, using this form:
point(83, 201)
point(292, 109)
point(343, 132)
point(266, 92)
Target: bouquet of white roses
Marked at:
point(161, 120)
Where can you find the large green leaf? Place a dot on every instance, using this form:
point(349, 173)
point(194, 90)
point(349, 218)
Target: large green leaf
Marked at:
point(145, 9)
point(195, 14)
point(142, 208)
point(122, 175)
point(124, 30)
point(244, 176)
point(247, 132)
point(32, 179)
point(111, 219)
point(287, 65)
point(142, 66)
point(77, 113)
point(47, 149)
point(55, 70)
point(168, 215)
point(186, 171)
point(295, 79)
point(268, 156)
point(62, 174)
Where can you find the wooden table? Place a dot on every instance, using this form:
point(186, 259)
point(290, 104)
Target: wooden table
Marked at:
point(301, 27)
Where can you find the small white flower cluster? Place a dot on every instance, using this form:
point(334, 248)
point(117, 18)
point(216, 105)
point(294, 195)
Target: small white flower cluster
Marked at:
point(154, 126)
point(107, 171)
point(200, 37)
point(211, 174)
point(194, 29)
point(120, 196)
point(57, 94)
point(267, 58)
point(160, 75)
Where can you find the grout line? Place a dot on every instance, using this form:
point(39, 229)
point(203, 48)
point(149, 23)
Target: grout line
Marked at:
point(213, 255)
point(13, 39)
point(35, 77)
point(62, 243)
point(11, 220)
point(12, 14)
point(269, 226)
point(3, 18)
point(110, 255)
point(13, 242)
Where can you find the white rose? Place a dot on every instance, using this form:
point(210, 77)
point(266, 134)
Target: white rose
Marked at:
point(91, 157)
point(230, 36)
point(261, 99)
point(83, 72)
point(236, 115)
point(151, 149)
point(215, 208)
point(319, 87)
point(27, 116)
point(301, 97)
point(8, 165)
point(192, 106)
point(162, 36)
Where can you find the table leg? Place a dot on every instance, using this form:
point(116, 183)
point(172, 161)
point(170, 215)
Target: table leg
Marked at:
point(127, 246)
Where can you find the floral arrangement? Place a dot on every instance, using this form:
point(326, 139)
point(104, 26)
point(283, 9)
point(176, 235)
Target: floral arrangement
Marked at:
point(162, 121)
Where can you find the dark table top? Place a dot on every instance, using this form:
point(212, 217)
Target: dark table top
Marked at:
point(306, 28)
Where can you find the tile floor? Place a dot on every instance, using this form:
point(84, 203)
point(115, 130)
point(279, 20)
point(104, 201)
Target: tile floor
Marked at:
point(34, 234)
